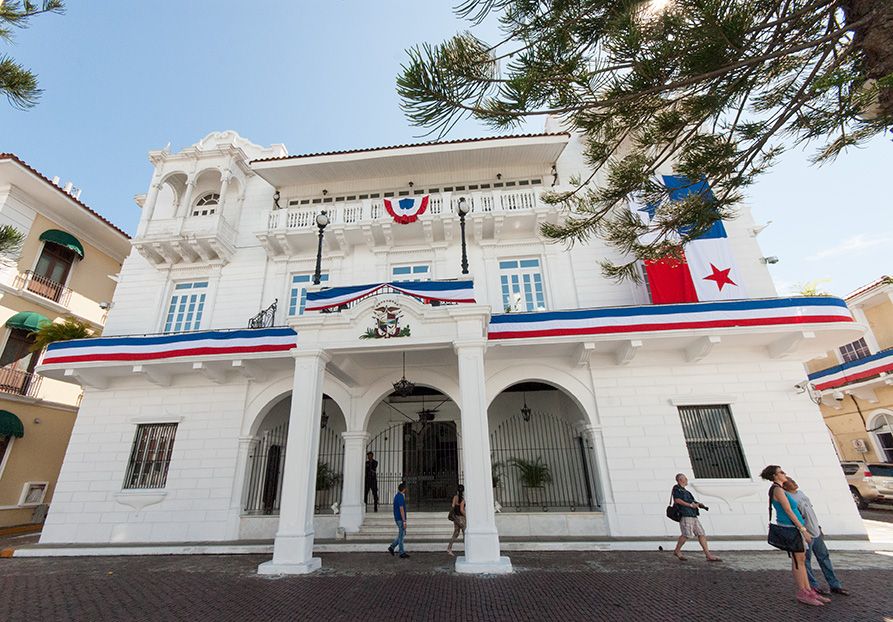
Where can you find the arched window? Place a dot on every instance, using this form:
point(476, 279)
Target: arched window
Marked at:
point(881, 425)
point(206, 205)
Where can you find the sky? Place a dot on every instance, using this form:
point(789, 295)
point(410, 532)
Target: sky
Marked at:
point(123, 78)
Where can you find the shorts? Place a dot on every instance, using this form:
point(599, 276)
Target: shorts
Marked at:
point(691, 527)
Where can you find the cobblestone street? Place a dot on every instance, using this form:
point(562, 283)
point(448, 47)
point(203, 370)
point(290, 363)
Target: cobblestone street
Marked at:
point(546, 586)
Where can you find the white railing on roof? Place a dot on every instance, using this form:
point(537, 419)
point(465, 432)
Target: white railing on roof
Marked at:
point(370, 210)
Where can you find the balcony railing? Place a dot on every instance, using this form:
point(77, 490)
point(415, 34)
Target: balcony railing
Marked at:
point(42, 286)
point(370, 210)
point(19, 382)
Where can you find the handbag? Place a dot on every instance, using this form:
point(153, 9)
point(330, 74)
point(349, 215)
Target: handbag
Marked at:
point(673, 510)
point(450, 515)
point(784, 537)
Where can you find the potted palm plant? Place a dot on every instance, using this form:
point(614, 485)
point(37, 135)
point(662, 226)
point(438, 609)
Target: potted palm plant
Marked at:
point(534, 475)
point(326, 478)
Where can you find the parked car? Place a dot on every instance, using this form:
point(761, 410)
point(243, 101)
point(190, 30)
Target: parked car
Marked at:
point(882, 478)
point(861, 482)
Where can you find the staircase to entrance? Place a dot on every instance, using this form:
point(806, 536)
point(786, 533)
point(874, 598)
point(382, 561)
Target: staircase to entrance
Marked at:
point(421, 527)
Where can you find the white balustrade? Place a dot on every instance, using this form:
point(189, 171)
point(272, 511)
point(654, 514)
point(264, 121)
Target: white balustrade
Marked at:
point(369, 210)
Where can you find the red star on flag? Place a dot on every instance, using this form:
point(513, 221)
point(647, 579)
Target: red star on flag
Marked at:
point(720, 277)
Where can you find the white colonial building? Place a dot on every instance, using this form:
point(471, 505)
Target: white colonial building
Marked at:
point(231, 400)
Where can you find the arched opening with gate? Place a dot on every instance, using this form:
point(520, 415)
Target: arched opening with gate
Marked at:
point(541, 460)
point(415, 439)
point(266, 460)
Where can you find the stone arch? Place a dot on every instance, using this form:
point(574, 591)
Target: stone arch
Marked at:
point(383, 387)
point(171, 189)
point(274, 392)
point(560, 379)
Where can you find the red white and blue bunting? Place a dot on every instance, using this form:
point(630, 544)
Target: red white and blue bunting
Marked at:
point(854, 371)
point(156, 347)
point(442, 291)
point(406, 209)
point(687, 316)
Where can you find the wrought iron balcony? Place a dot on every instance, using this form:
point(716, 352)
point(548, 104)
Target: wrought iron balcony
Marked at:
point(266, 318)
point(19, 382)
point(43, 286)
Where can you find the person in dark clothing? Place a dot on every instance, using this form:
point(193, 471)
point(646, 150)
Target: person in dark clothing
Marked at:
point(371, 480)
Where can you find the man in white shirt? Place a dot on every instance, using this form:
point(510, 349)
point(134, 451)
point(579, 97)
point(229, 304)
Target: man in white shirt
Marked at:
point(817, 547)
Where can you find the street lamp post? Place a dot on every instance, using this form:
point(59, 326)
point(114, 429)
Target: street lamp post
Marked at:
point(322, 220)
point(464, 208)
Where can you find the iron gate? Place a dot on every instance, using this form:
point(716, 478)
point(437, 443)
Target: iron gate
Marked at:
point(266, 461)
point(545, 443)
point(426, 456)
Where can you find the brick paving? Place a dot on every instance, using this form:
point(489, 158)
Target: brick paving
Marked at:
point(627, 587)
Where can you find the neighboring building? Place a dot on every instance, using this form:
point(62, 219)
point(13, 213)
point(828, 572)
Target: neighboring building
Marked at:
point(67, 265)
point(204, 430)
point(854, 383)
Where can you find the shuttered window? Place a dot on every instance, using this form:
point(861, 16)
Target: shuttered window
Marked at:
point(151, 455)
point(712, 441)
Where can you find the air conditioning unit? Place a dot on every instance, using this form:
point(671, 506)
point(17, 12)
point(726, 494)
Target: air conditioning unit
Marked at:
point(860, 446)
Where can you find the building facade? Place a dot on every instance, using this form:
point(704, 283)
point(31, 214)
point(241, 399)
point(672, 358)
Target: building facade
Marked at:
point(63, 270)
point(564, 402)
point(853, 384)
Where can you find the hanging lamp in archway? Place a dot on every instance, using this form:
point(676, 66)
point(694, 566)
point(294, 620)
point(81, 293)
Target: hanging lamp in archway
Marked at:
point(404, 387)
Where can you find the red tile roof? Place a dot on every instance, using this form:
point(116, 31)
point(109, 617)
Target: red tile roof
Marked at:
point(427, 144)
point(15, 158)
point(884, 280)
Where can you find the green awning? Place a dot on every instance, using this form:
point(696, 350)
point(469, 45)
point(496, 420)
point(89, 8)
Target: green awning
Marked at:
point(27, 320)
point(10, 425)
point(63, 239)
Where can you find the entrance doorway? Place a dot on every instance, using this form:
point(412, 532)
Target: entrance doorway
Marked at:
point(431, 463)
point(424, 455)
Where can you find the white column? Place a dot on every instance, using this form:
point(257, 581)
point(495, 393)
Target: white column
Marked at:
point(224, 186)
point(482, 554)
point(186, 199)
point(149, 207)
point(293, 546)
point(352, 507)
point(237, 495)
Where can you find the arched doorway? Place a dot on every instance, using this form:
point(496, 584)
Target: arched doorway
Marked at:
point(540, 459)
point(416, 439)
point(266, 460)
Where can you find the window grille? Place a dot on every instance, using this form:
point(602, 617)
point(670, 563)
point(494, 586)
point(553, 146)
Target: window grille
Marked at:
point(186, 307)
point(855, 351)
point(151, 455)
point(712, 441)
point(206, 205)
point(522, 285)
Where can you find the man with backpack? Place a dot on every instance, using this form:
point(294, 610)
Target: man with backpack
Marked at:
point(689, 524)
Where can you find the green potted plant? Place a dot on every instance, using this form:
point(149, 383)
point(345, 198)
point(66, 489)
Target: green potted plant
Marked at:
point(326, 478)
point(534, 476)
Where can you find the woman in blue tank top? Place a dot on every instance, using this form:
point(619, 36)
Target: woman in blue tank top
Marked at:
point(788, 514)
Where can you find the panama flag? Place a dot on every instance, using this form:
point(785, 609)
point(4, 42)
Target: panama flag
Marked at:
point(407, 209)
point(706, 270)
point(709, 256)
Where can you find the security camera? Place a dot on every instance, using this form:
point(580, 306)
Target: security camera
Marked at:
point(838, 396)
point(105, 305)
point(800, 387)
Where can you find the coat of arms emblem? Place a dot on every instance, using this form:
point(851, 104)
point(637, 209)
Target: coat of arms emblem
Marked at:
point(386, 315)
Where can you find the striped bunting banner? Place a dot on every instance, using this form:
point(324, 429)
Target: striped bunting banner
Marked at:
point(444, 291)
point(155, 347)
point(718, 314)
point(860, 369)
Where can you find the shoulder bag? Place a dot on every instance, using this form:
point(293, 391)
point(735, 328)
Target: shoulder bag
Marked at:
point(673, 510)
point(784, 537)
